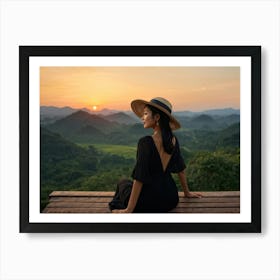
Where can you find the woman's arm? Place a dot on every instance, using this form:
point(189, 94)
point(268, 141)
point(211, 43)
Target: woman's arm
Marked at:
point(184, 184)
point(135, 192)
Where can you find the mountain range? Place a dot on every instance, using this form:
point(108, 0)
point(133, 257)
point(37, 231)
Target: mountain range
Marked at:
point(212, 112)
point(120, 128)
point(50, 114)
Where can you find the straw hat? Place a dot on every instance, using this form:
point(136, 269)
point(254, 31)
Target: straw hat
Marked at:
point(160, 103)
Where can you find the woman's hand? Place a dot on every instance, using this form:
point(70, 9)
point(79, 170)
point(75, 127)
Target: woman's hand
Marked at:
point(120, 211)
point(193, 194)
point(183, 181)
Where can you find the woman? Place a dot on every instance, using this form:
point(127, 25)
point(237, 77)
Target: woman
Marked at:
point(153, 189)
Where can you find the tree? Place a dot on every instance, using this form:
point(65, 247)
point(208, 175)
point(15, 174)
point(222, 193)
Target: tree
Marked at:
point(214, 171)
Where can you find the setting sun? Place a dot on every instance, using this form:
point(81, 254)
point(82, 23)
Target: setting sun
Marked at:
point(94, 108)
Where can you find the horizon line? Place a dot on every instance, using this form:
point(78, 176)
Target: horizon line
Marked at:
point(126, 110)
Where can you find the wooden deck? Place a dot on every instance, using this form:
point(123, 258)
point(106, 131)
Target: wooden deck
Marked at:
point(97, 202)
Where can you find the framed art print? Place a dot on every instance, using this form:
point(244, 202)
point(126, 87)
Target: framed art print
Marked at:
point(79, 136)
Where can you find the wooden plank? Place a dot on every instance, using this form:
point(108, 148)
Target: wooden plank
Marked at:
point(81, 199)
point(110, 194)
point(206, 210)
point(209, 199)
point(107, 210)
point(108, 199)
point(81, 193)
point(76, 210)
point(208, 205)
point(105, 205)
point(217, 194)
point(77, 205)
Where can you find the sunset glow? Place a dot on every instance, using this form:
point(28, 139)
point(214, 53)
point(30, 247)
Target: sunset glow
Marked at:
point(187, 88)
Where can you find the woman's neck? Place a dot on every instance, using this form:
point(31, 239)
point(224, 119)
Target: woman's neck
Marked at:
point(157, 131)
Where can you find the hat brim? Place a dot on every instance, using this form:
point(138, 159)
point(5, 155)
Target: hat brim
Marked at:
point(138, 106)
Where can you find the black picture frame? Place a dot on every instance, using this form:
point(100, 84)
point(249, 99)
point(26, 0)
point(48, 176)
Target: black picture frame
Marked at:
point(253, 52)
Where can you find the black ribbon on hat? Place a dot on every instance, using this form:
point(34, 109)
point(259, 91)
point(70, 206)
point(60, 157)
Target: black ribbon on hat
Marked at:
point(155, 101)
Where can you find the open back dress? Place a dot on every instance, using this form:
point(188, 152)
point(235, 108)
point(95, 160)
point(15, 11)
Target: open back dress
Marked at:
point(159, 192)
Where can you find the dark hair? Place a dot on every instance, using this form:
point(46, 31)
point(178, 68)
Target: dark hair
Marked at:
point(166, 132)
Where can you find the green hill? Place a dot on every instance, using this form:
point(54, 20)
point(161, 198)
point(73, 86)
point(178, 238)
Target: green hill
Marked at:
point(71, 126)
point(68, 166)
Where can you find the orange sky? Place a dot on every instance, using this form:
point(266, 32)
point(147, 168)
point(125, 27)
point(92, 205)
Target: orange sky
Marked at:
point(187, 88)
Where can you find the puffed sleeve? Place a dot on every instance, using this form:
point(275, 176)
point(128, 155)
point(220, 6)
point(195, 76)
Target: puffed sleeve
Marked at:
point(141, 171)
point(178, 163)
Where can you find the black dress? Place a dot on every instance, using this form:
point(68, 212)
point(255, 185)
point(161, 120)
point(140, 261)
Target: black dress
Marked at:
point(159, 193)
